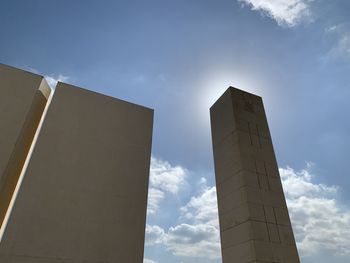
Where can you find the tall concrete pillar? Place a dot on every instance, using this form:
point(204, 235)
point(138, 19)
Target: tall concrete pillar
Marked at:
point(254, 220)
point(83, 196)
point(23, 97)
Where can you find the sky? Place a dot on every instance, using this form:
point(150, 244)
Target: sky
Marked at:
point(178, 57)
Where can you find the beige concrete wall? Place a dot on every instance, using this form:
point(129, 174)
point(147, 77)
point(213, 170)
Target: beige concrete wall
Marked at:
point(23, 97)
point(84, 195)
point(253, 215)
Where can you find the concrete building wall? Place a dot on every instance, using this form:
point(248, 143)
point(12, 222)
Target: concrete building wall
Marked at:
point(253, 215)
point(23, 97)
point(84, 194)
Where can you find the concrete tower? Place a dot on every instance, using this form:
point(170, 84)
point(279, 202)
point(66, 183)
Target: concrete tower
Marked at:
point(23, 97)
point(83, 195)
point(253, 215)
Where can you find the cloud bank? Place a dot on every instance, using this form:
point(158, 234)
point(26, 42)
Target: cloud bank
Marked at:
point(319, 221)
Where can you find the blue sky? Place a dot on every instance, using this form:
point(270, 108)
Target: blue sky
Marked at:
point(178, 56)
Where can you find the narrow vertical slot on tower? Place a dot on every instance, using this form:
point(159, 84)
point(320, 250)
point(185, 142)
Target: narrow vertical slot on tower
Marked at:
point(15, 169)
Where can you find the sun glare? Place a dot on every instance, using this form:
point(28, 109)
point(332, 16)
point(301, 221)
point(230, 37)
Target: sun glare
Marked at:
point(216, 85)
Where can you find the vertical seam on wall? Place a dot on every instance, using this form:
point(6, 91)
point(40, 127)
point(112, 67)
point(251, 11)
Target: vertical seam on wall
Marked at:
point(257, 174)
point(257, 130)
point(250, 134)
point(267, 177)
point(278, 231)
point(267, 227)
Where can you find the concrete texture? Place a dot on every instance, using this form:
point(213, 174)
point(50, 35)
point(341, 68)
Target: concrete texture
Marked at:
point(253, 215)
point(23, 97)
point(84, 194)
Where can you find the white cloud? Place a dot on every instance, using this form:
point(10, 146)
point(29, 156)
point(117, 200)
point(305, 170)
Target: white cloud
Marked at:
point(203, 208)
point(341, 47)
point(145, 260)
point(300, 183)
point(166, 177)
point(201, 236)
point(285, 12)
point(198, 241)
point(155, 197)
point(198, 235)
point(52, 79)
point(320, 222)
point(154, 235)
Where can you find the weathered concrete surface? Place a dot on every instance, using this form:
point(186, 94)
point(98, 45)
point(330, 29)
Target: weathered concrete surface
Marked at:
point(84, 195)
point(23, 97)
point(253, 215)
